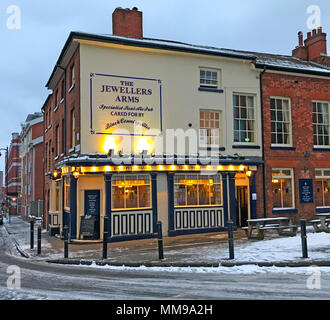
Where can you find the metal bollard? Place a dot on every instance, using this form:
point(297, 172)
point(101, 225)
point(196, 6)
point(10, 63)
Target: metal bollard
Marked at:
point(39, 240)
point(303, 238)
point(231, 240)
point(66, 242)
point(105, 238)
point(32, 234)
point(160, 241)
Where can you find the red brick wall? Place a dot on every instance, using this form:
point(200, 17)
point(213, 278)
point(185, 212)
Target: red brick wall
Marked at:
point(127, 23)
point(302, 91)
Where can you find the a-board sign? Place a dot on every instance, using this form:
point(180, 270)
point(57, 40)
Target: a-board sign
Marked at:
point(88, 226)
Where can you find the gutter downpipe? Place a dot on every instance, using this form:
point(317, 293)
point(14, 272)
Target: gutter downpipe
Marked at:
point(263, 145)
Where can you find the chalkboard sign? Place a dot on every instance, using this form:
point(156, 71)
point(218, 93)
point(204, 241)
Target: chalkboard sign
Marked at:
point(88, 226)
point(92, 203)
point(306, 190)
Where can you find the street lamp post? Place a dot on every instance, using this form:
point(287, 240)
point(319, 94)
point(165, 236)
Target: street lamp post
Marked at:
point(7, 203)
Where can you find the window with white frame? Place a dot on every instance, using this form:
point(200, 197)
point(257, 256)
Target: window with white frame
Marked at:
point(209, 78)
point(283, 193)
point(209, 133)
point(280, 115)
point(321, 124)
point(322, 185)
point(197, 190)
point(131, 192)
point(244, 118)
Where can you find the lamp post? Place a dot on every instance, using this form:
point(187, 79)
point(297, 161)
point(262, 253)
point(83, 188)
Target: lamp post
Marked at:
point(7, 204)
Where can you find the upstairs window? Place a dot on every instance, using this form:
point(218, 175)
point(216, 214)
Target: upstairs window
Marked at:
point(73, 129)
point(244, 118)
point(72, 76)
point(321, 124)
point(280, 115)
point(209, 133)
point(209, 78)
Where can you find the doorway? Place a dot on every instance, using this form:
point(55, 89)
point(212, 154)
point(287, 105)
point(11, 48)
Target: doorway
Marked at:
point(242, 206)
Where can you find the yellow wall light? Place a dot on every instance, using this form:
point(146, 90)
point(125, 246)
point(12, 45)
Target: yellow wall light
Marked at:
point(135, 168)
point(231, 168)
point(107, 169)
point(249, 173)
point(241, 168)
point(173, 167)
point(109, 144)
point(220, 168)
point(143, 145)
point(121, 168)
point(160, 168)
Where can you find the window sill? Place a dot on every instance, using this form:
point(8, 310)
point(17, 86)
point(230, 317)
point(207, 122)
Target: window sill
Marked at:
point(325, 149)
point(71, 150)
point(56, 108)
point(244, 146)
point(71, 88)
point(285, 210)
point(212, 149)
point(282, 148)
point(210, 90)
point(62, 100)
point(322, 209)
point(56, 158)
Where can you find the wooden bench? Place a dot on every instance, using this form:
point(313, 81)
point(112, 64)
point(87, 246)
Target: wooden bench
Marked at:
point(285, 227)
point(321, 226)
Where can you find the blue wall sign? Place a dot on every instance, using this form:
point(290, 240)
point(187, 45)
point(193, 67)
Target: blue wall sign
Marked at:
point(306, 190)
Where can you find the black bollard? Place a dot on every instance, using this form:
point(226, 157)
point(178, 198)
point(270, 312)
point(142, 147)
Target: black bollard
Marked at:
point(31, 234)
point(160, 241)
point(231, 240)
point(105, 238)
point(39, 240)
point(66, 242)
point(303, 238)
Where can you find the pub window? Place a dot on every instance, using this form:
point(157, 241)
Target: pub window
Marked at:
point(209, 128)
point(131, 192)
point(280, 115)
point(321, 124)
point(67, 193)
point(244, 118)
point(57, 196)
point(209, 78)
point(197, 190)
point(283, 194)
point(322, 184)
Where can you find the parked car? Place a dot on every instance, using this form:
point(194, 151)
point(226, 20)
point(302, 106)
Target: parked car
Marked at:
point(1, 219)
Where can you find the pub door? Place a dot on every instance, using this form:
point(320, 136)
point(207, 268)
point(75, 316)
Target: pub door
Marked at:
point(242, 206)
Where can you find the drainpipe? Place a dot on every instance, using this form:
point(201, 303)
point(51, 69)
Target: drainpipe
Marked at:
point(263, 145)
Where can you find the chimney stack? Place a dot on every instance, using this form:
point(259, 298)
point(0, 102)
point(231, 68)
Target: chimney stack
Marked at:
point(314, 48)
point(127, 23)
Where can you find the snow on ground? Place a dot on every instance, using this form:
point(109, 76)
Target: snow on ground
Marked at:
point(246, 269)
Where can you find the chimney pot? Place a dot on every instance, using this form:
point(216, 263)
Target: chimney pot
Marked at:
point(319, 30)
point(300, 38)
point(314, 32)
point(309, 34)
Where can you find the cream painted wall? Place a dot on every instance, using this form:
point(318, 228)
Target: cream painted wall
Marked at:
point(90, 183)
point(179, 74)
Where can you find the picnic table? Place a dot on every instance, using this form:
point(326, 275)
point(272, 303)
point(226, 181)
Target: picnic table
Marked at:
point(321, 224)
point(283, 225)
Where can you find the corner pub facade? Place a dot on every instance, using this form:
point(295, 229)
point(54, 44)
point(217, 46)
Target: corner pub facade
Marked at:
point(142, 130)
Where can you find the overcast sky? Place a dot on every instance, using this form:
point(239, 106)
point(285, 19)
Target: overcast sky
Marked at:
point(28, 55)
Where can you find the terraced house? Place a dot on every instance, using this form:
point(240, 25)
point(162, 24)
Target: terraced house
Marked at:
point(140, 130)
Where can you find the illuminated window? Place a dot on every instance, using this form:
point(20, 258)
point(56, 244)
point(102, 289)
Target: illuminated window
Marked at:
point(57, 196)
point(209, 128)
point(280, 115)
point(197, 190)
point(244, 118)
point(321, 124)
point(67, 193)
point(322, 184)
point(131, 192)
point(283, 193)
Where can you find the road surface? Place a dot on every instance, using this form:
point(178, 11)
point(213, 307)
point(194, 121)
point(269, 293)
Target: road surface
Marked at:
point(40, 280)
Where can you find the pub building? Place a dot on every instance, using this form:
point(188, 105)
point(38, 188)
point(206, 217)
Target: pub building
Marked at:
point(141, 130)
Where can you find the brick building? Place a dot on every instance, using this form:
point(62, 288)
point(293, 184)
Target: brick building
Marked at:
point(257, 128)
point(13, 175)
point(296, 106)
point(32, 166)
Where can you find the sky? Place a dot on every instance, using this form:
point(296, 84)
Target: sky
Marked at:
point(28, 54)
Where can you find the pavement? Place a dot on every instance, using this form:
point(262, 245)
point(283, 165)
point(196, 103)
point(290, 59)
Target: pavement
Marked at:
point(180, 251)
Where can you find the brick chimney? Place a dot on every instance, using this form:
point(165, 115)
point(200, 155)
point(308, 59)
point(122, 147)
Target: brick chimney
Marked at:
point(127, 23)
point(314, 48)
